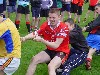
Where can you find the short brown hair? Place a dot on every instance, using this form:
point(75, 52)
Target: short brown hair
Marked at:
point(54, 10)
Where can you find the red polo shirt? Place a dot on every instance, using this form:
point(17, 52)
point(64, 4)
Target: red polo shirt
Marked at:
point(61, 31)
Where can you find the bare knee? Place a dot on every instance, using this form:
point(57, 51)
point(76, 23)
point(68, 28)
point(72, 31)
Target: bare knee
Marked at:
point(35, 60)
point(51, 67)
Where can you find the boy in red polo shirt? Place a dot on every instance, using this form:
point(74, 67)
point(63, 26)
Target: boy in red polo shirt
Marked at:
point(55, 35)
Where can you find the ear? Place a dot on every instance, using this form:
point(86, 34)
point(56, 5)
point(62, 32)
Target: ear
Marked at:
point(59, 17)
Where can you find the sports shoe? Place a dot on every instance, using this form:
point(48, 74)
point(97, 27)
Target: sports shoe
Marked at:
point(88, 65)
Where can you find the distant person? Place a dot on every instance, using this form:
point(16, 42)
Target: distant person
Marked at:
point(35, 9)
point(45, 7)
point(91, 8)
point(11, 7)
point(74, 8)
point(23, 8)
point(93, 37)
point(80, 10)
point(66, 5)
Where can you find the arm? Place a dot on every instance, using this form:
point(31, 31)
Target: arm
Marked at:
point(98, 1)
point(54, 45)
point(29, 36)
point(93, 24)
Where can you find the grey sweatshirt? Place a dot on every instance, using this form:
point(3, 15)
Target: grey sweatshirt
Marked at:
point(46, 4)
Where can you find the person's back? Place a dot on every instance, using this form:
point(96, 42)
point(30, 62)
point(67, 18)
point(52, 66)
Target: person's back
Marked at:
point(10, 47)
point(13, 47)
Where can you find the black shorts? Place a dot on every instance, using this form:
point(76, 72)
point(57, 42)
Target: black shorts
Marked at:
point(23, 10)
point(74, 8)
point(92, 8)
point(1, 8)
point(35, 12)
point(66, 7)
point(52, 53)
point(79, 12)
point(44, 12)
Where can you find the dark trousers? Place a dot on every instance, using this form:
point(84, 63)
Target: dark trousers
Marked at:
point(74, 60)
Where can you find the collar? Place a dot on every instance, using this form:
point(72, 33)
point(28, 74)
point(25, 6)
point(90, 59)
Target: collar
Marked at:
point(56, 26)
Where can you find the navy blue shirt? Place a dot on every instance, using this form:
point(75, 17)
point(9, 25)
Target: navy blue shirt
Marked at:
point(77, 40)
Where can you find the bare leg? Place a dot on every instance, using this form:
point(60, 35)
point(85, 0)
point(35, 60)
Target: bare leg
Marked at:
point(54, 64)
point(41, 57)
point(91, 52)
point(75, 17)
point(69, 15)
point(86, 16)
point(27, 16)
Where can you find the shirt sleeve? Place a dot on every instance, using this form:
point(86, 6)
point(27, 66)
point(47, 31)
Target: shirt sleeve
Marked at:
point(8, 41)
point(93, 24)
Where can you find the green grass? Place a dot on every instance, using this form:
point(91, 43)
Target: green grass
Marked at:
point(31, 48)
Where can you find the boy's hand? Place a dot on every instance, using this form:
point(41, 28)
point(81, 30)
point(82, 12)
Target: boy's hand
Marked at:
point(84, 29)
point(38, 38)
point(22, 39)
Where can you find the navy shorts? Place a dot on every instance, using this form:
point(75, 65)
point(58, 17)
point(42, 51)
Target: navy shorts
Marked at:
point(1, 8)
point(35, 12)
point(11, 9)
point(23, 10)
point(93, 41)
point(74, 8)
point(44, 12)
point(79, 12)
point(66, 7)
point(92, 8)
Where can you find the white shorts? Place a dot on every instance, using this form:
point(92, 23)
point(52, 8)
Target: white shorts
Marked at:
point(12, 65)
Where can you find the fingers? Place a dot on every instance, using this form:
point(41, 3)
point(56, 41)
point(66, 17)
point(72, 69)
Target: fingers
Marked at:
point(84, 29)
point(22, 39)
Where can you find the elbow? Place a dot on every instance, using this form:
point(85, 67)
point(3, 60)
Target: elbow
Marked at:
point(55, 46)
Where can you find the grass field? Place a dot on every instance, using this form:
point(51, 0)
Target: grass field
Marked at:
point(31, 48)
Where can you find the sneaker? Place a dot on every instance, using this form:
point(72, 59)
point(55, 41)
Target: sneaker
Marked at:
point(88, 65)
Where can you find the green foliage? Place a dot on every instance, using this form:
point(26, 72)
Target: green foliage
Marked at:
point(31, 48)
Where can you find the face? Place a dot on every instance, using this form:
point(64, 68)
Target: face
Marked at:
point(70, 27)
point(97, 9)
point(54, 19)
